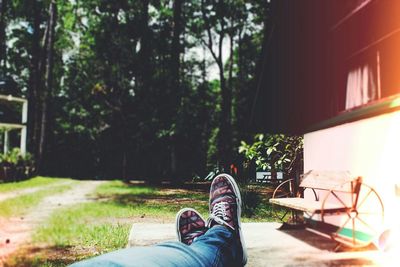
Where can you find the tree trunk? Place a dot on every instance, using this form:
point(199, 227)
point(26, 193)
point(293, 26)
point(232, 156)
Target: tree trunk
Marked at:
point(34, 84)
point(225, 135)
point(225, 131)
point(145, 47)
point(124, 166)
point(176, 43)
point(176, 89)
point(48, 81)
point(239, 123)
point(3, 47)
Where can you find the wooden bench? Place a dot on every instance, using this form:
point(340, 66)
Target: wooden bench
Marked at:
point(338, 198)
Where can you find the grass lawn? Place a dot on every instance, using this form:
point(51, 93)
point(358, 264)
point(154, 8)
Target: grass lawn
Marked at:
point(93, 228)
point(20, 205)
point(34, 182)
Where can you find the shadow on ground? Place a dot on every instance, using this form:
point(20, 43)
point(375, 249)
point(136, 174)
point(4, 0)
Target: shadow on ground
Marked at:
point(162, 194)
point(48, 256)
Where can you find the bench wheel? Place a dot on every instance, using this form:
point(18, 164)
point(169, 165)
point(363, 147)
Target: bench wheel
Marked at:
point(358, 214)
point(288, 189)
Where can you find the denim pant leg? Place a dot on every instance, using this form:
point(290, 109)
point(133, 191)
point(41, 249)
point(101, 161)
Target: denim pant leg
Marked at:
point(219, 247)
point(215, 248)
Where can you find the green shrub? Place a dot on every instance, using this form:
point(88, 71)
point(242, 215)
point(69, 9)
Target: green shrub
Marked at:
point(251, 200)
point(15, 166)
point(271, 152)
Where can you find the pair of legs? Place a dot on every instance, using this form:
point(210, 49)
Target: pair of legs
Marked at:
point(215, 242)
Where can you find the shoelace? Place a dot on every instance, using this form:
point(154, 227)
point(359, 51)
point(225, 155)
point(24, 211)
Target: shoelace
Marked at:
point(219, 215)
point(219, 210)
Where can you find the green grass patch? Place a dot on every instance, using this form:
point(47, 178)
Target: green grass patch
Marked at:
point(120, 188)
point(104, 225)
point(87, 225)
point(88, 229)
point(165, 202)
point(256, 206)
point(18, 206)
point(33, 182)
point(262, 213)
point(153, 201)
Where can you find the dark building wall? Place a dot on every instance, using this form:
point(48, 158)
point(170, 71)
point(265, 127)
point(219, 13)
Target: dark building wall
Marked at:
point(314, 45)
point(291, 81)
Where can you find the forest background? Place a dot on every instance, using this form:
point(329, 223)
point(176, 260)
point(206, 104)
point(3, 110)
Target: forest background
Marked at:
point(150, 89)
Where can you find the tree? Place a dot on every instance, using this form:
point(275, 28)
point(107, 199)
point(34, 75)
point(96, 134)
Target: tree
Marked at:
point(176, 51)
point(122, 88)
point(34, 80)
point(214, 19)
point(3, 52)
point(48, 80)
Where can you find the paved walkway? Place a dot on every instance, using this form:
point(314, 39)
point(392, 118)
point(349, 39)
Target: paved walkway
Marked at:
point(268, 246)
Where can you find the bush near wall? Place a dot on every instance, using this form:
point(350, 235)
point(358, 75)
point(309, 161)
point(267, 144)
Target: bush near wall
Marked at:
point(15, 167)
point(274, 152)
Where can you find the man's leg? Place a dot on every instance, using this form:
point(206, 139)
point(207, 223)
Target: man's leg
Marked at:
point(225, 209)
point(215, 248)
point(219, 246)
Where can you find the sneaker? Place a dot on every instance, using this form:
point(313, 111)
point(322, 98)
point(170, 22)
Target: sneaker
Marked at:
point(225, 207)
point(189, 225)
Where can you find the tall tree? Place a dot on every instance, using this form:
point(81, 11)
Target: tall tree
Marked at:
point(132, 94)
point(214, 16)
point(176, 51)
point(48, 80)
point(176, 42)
point(3, 52)
point(34, 80)
point(145, 46)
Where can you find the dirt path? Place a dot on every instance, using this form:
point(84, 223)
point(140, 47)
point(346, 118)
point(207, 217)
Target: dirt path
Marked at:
point(16, 231)
point(16, 193)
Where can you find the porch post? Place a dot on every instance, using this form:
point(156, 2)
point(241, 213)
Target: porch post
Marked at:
point(24, 120)
point(6, 141)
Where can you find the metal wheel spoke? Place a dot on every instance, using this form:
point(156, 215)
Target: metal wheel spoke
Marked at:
point(295, 217)
point(341, 228)
point(366, 224)
point(287, 211)
point(370, 213)
point(353, 222)
point(352, 194)
point(362, 197)
point(365, 198)
point(315, 194)
point(338, 198)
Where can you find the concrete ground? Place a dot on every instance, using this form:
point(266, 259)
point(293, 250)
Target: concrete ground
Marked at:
point(269, 246)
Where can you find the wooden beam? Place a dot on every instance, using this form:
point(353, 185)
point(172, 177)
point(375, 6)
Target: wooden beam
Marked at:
point(11, 125)
point(12, 98)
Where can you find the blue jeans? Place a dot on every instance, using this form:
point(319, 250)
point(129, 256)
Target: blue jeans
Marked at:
point(217, 247)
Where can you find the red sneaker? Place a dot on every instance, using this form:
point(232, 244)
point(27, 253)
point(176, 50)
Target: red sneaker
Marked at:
point(190, 225)
point(225, 207)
